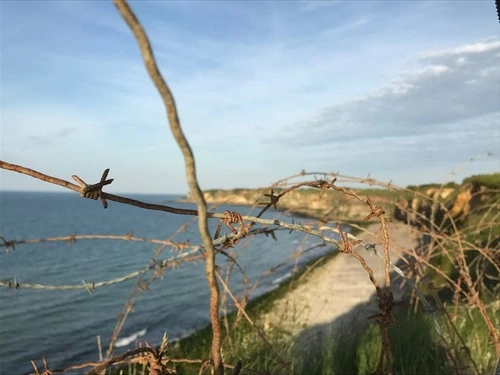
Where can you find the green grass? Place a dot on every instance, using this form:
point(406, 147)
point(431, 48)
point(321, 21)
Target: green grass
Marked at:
point(242, 342)
point(415, 345)
point(414, 349)
point(491, 181)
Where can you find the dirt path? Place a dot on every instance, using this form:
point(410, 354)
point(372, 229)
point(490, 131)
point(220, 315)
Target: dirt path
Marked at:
point(340, 290)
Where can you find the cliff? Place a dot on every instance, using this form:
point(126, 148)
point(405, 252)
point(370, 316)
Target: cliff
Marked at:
point(309, 202)
point(407, 204)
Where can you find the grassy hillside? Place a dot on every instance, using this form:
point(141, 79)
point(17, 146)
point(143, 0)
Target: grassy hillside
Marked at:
point(455, 269)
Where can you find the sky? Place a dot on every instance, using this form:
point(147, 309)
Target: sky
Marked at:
point(404, 91)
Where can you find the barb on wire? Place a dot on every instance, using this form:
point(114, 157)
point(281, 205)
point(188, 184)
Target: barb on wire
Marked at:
point(181, 211)
point(428, 307)
point(94, 191)
point(74, 237)
point(229, 218)
point(376, 211)
point(323, 185)
point(273, 199)
point(107, 196)
point(346, 243)
point(8, 244)
point(91, 286)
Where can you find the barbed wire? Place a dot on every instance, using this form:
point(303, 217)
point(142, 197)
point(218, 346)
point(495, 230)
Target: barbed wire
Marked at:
point(228, 218)
point(92, 286)
point(75, 237)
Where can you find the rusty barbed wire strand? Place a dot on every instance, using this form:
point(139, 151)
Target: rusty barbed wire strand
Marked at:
point(128, 237)
point(164, 208)
point(138, 288)
point(105, 364)
point(75, 237)
point(181, 258)
point(116, 198)
point(91, 286)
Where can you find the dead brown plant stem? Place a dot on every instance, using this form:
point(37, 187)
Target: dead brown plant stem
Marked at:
point(175, 126)
point(473, 294)
point(104, 365)
point(386, 253)
point(454, 328)
point(252, 323)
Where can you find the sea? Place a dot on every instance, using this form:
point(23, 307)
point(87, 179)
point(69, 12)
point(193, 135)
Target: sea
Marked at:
point(64, 325)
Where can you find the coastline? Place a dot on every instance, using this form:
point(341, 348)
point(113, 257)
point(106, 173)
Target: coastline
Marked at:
point(330, 295)
point(330, 205)
point(316, 289)
point(339, 292)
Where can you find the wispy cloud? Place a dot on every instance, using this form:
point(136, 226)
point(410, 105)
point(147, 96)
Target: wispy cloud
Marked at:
point(264, 89)
point(447, 87)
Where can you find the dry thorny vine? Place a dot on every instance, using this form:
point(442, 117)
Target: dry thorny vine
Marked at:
point(155, 359)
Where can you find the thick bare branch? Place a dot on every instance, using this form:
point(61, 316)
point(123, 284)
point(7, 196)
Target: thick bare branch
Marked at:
point(175, 127)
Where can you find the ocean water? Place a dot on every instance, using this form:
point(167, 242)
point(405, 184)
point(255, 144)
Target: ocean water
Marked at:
point(63, 325)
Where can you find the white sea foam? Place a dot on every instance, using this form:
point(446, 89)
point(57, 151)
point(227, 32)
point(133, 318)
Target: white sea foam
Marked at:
point(278, 280)
point(124, 341)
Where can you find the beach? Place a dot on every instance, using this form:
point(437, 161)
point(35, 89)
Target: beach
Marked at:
point(340, 292)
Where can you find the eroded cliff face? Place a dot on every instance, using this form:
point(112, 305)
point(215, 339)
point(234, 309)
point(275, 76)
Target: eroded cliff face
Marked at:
point(443, 205)
point(329, 205)
point(433, 203)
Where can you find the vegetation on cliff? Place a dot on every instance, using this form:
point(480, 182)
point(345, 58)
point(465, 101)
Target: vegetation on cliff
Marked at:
point(456, 268)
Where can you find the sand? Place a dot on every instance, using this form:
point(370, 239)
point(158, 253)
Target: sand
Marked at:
point(340, 291)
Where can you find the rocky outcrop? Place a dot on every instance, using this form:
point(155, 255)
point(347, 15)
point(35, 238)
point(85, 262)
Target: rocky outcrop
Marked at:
point(330, 205)
point(440, 205)
point(431, 203)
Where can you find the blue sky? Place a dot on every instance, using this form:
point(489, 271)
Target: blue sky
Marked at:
point(405, 91)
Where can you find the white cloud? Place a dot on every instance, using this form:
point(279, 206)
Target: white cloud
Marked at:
point(466, 49)
point(429, 99)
